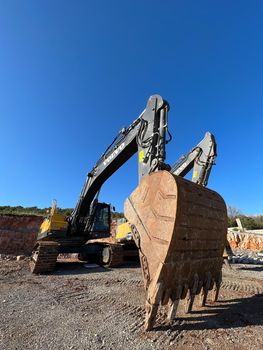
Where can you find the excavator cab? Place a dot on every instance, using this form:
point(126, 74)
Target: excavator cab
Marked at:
point(101, 222)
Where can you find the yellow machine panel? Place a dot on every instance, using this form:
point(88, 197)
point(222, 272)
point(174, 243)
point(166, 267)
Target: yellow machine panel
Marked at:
point(54, 221)
point(123, 232)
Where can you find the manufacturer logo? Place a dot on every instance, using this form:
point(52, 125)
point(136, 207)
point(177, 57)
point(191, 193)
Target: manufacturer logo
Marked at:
point(114, 154)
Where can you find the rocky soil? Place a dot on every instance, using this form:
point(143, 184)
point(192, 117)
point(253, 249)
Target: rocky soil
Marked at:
point(96, 308)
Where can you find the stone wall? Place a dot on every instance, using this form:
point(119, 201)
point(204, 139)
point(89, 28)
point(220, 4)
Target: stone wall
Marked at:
point(18, 233)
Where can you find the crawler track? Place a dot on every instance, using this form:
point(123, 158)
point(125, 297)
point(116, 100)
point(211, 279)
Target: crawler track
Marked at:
point(115, 255)
point(44, 257)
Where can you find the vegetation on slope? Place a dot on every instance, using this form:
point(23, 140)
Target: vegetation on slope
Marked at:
point(19, 210)
point(248, 222)
point(252, 222)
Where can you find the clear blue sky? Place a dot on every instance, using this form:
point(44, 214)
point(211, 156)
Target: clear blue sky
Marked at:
point(72, 73)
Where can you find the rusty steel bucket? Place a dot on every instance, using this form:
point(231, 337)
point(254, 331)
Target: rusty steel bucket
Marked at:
point(180, 229)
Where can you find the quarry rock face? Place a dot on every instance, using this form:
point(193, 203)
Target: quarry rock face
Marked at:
point(18, 233)
point(245, 240)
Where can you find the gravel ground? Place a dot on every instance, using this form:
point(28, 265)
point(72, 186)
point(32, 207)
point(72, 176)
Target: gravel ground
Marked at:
point(79, 308)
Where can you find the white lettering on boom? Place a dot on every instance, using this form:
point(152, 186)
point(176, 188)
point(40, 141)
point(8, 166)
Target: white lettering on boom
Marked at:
point(114, 154)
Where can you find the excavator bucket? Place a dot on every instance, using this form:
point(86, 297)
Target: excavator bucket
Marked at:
point(180, 229)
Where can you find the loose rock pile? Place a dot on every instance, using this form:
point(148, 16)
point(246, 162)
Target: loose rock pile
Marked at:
point(245, 240)
point(247, 257)
point(8, 257)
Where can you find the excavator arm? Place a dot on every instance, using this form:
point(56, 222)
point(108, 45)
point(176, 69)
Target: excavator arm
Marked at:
point(147, 136)
point(201, 158)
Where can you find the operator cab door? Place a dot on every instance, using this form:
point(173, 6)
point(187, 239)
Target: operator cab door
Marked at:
point(102, 220)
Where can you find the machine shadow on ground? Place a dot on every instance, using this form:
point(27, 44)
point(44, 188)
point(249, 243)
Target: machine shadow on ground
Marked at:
point(258, 268)
point(78, 268)
point(233, 313)
point(75, 268)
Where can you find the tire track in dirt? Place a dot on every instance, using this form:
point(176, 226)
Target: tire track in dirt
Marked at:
point(112, 281)
point(242, 287)
point(137, 316)
point(73, 296)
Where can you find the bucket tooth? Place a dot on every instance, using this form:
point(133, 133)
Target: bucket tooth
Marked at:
point(191, 295)
point(206, 288)
point(171, 309)
point(216, 289)
point(203, 296)
point(216, 293)
point(195, 284)
point(151, 313)
point(185, 291)
point(176, 292)
point(180, 230)
point(155, 295)
point(213, 293)
point(166, 297)
point(190, 304)
point(173, 302)
point(199, 288)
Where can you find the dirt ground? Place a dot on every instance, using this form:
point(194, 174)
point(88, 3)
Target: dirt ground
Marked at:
point(79, 308)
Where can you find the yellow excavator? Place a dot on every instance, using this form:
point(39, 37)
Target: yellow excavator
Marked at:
point(178, 226)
